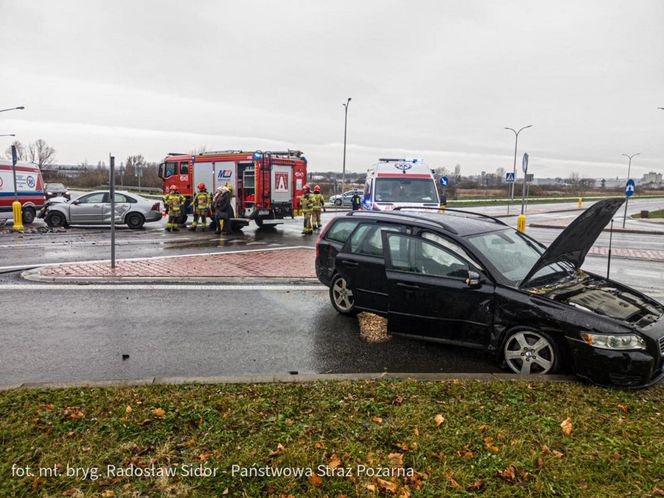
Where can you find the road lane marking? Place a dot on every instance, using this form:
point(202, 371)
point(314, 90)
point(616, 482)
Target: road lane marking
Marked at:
point(192, 287)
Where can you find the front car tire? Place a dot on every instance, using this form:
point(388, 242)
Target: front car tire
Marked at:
point(531, 352)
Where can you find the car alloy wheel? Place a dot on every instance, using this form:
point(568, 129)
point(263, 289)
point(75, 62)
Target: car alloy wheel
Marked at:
point(342, 296)
point(134, 221)
point(529, 352)
point(55, 220)
point(338, 202)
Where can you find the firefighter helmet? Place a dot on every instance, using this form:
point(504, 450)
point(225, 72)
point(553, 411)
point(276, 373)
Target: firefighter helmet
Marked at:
point(306, 187)
point(201, 186)
point(317, 188)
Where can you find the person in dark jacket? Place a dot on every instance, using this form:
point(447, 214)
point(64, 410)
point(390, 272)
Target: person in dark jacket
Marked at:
point(356, 200)
point(222, 209)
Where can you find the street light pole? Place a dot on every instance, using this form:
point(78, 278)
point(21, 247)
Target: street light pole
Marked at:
point(9, 135)
point(343, 171)
point(516, 145)
point(629, 170)
point(20, 108)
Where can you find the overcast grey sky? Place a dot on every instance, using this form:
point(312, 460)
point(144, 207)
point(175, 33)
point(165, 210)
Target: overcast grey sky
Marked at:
point(431, 79)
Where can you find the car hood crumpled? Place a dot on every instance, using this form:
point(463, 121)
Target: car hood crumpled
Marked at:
point(573, 244)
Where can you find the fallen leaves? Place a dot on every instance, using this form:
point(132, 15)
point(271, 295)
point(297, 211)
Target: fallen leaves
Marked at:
point(396, 459)
point(388, 486)
point(377, 420)
point(128, 410)
point(159, 412)
point(439, 419)
point(451, 480)
point(315, 480)
point(509, 474)
point(334, 462)
point(73, 412)
point(566, 426)
point(488, 442)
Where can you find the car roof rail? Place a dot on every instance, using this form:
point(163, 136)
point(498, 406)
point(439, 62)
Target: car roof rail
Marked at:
point(392, 213)
point(454, 210)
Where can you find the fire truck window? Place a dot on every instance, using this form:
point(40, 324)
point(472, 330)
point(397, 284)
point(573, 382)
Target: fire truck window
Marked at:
point(184, 168)
point(171, 169)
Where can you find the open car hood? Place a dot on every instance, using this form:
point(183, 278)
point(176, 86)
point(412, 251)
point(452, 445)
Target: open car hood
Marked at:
point(575, 241)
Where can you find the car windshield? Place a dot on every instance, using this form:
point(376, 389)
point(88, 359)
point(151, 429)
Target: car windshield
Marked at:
point(55, 186)
point(406, 190)
point(513, 255)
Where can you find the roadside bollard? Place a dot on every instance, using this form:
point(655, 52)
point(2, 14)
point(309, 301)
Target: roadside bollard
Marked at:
point(521, 223)
point(442, 208)
point(580, 202)
point(18, 217)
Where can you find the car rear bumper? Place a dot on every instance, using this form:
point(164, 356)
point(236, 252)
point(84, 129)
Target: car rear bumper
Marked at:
point(627, 369)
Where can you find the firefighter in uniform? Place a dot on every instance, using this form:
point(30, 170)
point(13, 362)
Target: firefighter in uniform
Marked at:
point(306, 204)
point(319, 204)
point(174, 201)
point(201, 206)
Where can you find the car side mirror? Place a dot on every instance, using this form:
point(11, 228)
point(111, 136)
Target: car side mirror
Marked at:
point(474, 280)
point(76, 202)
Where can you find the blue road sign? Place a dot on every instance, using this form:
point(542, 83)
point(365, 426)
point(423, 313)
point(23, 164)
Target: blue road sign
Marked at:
point(524, 163)
point(509, 177)
point(630, 188)
point(443, 181)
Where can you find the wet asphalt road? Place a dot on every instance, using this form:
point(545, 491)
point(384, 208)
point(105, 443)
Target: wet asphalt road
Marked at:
point(82, 334)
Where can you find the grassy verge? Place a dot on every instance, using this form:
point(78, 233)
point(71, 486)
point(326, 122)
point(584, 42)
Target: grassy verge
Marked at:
point(459, 438)
point(659, 213)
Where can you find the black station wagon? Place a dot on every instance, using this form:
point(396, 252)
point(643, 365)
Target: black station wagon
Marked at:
point(467, 279)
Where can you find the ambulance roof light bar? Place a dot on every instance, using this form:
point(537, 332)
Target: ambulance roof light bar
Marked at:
point(414, 161)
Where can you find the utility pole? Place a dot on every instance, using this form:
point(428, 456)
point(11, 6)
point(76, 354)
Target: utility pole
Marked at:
point(112, 182)
point(516, 145)
point(629, 172)
point(343, 171)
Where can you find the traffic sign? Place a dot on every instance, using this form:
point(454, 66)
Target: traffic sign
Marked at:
point(524, 163)
point(509, 177)
point(443, 181)
point(630, 188)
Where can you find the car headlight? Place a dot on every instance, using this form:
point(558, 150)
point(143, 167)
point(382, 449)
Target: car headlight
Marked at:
point(607, 341)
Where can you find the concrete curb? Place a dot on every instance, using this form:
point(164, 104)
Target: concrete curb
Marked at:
point(288, 378)
point(34, 275)
point(616, 230)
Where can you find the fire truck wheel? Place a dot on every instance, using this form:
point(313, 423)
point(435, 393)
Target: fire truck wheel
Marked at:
point(29, 214)
point(135, 220)
point(342, 297)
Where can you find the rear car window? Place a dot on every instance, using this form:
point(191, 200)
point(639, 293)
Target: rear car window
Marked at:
point(367, 239)
point(341, 230)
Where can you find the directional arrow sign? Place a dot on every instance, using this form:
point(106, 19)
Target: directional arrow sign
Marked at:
point(630, 187)
point(443, 181)
point(509, 177)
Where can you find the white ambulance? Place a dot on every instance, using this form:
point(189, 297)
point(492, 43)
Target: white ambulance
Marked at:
point(400, 182)
point(30, 186)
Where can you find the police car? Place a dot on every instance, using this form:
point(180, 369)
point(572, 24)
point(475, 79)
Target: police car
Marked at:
point(400, 182)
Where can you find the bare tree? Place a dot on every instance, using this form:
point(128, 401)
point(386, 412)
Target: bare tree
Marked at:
point(41, 153)
point(20, 151)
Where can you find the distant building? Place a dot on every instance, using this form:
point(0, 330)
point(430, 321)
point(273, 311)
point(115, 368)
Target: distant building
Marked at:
point(652, 177)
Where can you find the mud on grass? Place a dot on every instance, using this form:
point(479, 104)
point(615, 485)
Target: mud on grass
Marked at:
point(458, 437)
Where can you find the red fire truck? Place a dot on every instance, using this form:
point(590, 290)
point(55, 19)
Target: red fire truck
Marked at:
point(266, 185)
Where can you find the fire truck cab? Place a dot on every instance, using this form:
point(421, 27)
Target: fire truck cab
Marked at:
point(266, 185)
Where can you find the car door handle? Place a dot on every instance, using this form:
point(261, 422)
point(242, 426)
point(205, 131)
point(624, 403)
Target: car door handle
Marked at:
point(350, 263)
point(407, 286)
